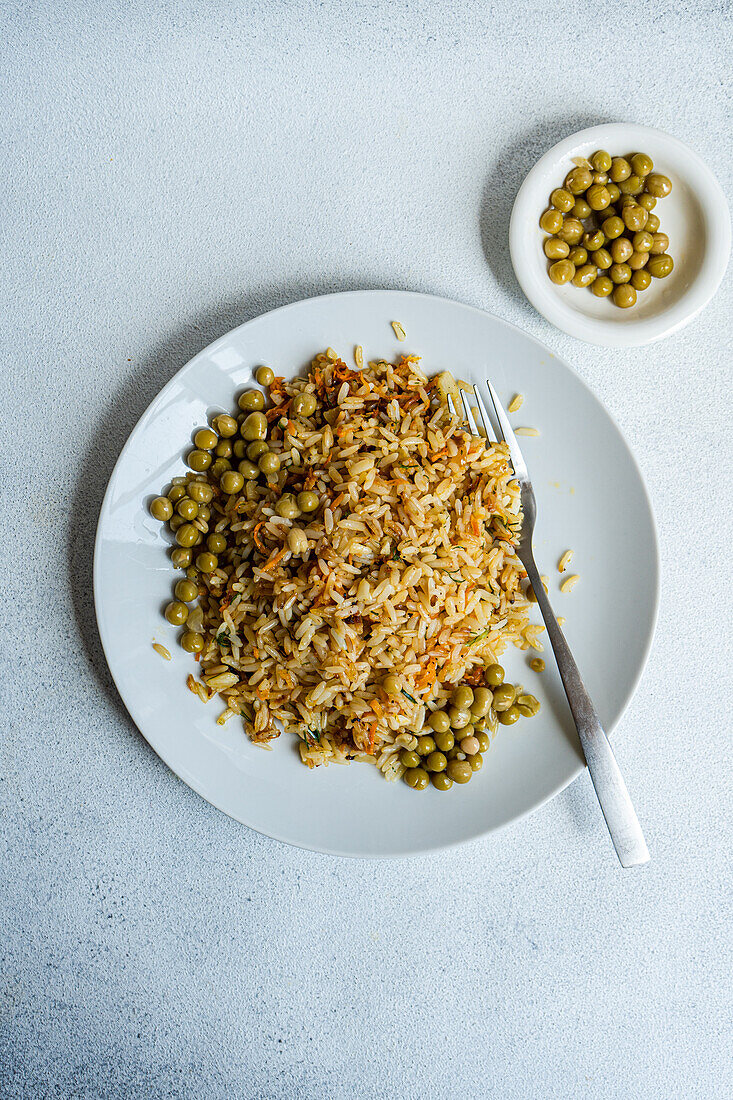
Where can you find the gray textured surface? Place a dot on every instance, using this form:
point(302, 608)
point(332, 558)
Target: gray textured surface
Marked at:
point(177, 169)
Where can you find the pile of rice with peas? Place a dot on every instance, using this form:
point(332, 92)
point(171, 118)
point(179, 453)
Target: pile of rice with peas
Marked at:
point(406, 568)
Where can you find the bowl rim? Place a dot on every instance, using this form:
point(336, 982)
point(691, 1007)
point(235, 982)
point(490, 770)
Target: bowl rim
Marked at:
point(716, 220)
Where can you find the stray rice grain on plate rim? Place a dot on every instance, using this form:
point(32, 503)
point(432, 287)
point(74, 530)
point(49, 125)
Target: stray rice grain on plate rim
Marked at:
point(355, 586)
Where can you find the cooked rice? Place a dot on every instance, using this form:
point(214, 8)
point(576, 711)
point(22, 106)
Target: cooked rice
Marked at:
point(516, 403)
point(565, 561)
point(526, 431)
point(410, 568)
point(161, 649)
point(399, 331)
point(570, 583)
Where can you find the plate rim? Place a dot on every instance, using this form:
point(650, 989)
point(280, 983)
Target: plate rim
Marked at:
point(655, 561)
point(633, 333)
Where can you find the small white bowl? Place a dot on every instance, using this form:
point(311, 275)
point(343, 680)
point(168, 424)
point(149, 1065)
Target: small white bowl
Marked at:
point(694, 216)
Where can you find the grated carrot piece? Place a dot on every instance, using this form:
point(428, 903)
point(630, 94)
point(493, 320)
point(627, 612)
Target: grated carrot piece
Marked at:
point(260, 546)
point(275, 559)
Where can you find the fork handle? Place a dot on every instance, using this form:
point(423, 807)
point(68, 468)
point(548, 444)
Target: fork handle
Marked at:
point(621, 819)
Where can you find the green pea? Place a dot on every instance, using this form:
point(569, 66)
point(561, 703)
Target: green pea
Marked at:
point(176, 613)
point(391, 685)
point(460, 771)
point(304, 404)
point(578, 180)
point(504, 697)
point(481, 704)
point(494, 675)
point(441, 781)
point(603, 259)
point(632, 185)
point(476, 762)
point(254, 426)
point(436, 762)
point(307, 501)
point(552, 220)
point(425, 745)
point(660, 266)
point(181, 558)
point(528, 705)
point(594, 241)
point(207, 563)
point(562, 200)
point(642, 164)
point(225, 425)
point(613, 227)
point(439, 721)
point(251, 401)
point(265, 376)
point(459, 718)
point(200, 492)
point(462, 697)
point(484, 741)
point(601, 160)
point(445, 741)
point(186, 591)
point(598, 197)
point(620, 169)
point(658, 185)
point(219, 467)
point(286, 507)
point(187, 508)
point(205, 439)
point(224, 448)
point(231, 482)
point(641, 279)
point(198, 460)
point(581, 211)
point(620, 273)
point(255, 449)
point(216, 543)
point(417, 778)
point(269, 463)
point(192, 641)
point(161, 509)
point(187, 535)
point(602, 287)
point(509, 716)
point(409, 759)
point(248, 470)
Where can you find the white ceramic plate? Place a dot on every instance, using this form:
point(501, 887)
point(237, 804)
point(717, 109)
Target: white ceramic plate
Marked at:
point(590, 497)
point(694, 216)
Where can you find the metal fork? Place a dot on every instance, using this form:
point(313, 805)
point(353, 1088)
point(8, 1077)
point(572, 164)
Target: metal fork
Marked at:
point(621, 819)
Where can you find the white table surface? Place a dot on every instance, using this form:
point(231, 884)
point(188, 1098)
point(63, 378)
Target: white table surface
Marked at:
point(176, 169)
